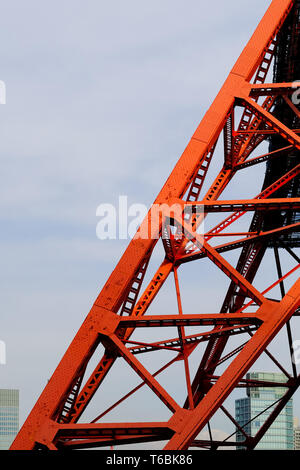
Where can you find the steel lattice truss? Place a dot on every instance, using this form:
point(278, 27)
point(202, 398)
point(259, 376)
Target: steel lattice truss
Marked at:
point(242, 115)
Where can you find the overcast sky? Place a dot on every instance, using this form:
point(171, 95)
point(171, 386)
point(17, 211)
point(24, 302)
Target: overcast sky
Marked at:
point(102, 98)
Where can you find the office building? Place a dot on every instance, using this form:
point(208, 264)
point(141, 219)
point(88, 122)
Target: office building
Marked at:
point(252, 411)
point(9, 417)
point(296, 434)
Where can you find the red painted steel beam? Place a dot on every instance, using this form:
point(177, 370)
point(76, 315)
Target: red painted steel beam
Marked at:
point(243, 205)
point(202, 319)
point(263, 158)
point(236, 244)
point(275, 319)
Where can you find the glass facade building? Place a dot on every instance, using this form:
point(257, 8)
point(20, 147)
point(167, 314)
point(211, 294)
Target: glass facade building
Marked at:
point(280, 435)
point(9, 417)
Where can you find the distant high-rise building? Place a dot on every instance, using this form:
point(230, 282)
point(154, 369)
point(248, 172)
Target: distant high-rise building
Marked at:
point(251, 412)
point(9, 417)
point(296, 434)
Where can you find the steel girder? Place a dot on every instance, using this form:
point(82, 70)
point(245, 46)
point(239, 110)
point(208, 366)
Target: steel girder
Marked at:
point(121, 307)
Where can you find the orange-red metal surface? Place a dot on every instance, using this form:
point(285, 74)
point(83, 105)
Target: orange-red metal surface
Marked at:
point(121, 307)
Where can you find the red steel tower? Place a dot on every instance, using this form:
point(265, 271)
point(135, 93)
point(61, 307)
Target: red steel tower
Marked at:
point(246, 114)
